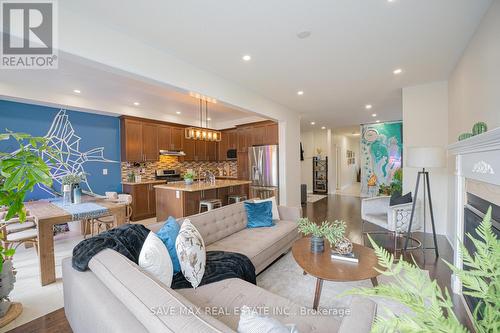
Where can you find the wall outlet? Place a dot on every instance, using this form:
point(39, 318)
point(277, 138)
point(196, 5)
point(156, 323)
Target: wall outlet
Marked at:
point(104, 172)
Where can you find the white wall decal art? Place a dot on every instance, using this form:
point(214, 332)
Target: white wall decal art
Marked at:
point(62, 136)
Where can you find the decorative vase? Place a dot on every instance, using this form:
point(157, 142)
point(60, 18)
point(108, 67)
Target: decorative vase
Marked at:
point(188, 181)
point(317, 244)
point(479, 128)
point(77, 194)
point(7, 279)
point(343, 246)
point(464, 136)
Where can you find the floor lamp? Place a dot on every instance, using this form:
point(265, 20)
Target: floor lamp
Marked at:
point(424, 158)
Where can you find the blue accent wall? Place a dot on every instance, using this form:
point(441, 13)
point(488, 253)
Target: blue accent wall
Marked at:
point(95, 131)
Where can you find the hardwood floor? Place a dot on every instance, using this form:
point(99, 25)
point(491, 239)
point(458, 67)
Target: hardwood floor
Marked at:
point(334, 207)
point(54, 322)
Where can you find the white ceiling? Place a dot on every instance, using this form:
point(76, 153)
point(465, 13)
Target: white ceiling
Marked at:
point(346, 63)
point(110, 92)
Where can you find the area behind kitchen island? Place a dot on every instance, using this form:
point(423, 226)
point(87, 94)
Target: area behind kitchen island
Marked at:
point(178, 199)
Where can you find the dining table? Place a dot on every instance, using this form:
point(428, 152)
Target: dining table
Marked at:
point(48, 213)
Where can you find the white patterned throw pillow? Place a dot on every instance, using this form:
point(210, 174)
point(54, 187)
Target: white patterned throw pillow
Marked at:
point(191, 252)
point(252, 322)
point(155, 260)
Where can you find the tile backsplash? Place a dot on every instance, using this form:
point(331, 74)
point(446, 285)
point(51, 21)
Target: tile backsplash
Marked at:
point(147, 169)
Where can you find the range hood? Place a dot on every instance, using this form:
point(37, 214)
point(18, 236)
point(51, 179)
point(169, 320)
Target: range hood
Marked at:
point(172, 153)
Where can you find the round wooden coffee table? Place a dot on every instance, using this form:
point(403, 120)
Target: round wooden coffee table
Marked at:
point(323, 267)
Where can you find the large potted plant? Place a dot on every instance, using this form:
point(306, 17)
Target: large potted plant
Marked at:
point(332, 231)
point(20, 171)
point(432, 309)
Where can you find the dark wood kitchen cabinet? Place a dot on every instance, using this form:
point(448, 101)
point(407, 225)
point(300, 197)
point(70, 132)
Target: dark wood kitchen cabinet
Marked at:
point(189, 150)
point(211, 151)
point(139, 141)
point(143, 200)
point(177, 138)
point(271, 136)
point(164, 137)
point(170, 137)
point(150, 142)
point(229, 140)
point(131, 140)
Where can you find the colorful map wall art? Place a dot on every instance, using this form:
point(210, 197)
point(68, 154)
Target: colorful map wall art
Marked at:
point(381, 155)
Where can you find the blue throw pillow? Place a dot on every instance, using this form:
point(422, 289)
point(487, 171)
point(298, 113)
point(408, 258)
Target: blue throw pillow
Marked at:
point(168, 234)
point(259, 214)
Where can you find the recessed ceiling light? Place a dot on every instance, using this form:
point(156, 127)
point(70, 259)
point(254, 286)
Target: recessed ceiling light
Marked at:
point(378, 121)
point(323, 127)
point(374, 114)
point(300, 93)
point(209, 119)
point(76, 91)
point(304, 34)
point(178, 112)
point(313, 123)
point(397, 71)
point(246, 57)
point(137, 103)
point(368, 106)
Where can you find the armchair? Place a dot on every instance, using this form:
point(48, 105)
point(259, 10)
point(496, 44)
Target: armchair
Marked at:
point(395, 219)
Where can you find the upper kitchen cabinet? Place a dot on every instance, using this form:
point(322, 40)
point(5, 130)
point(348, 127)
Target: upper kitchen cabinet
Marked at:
point(211, 151)
point(164, 137)
point(131, 140)
point(170, 137)
point(271, 136)
point(139, 140)
point(229, 140)
point(177, 138)
point(150, 142)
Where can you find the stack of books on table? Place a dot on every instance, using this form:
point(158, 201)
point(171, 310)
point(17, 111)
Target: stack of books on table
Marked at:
point(350, 257)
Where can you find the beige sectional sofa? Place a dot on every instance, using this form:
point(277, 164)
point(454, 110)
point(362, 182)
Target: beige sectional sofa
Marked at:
point(115, 295)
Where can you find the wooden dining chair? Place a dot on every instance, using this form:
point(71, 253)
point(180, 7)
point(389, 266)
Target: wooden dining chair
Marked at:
point(14, 232)
point(107, 222)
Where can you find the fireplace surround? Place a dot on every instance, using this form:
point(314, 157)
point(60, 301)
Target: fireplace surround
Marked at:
point(476, 186)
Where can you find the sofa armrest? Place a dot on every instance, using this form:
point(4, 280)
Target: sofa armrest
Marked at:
point(363, 312)
point(290, 213)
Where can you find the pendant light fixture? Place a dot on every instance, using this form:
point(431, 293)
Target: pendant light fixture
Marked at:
point(202, 133)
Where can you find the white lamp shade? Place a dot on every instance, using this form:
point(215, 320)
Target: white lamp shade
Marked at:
point(425, 157)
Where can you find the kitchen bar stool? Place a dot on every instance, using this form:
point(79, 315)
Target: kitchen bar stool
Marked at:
point(235, 198)
point(210, 204)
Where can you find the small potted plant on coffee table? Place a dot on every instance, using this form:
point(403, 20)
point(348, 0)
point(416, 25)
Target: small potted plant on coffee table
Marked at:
point(332, 231)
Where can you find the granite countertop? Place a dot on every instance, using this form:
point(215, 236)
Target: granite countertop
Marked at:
point(159, 181)
point(197, 186)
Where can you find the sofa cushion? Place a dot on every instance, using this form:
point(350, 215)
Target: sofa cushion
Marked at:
point(191, 252)
point(220, 223)
point(233, 294)
point(168, 234)
point(157, 307)
point(259, 244)
point(155, 260)
point(259, 214)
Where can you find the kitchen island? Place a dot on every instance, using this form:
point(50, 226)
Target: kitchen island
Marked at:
point(178, 199)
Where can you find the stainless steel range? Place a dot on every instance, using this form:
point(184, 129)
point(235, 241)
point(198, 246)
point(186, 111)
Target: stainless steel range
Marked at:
point(169, 175)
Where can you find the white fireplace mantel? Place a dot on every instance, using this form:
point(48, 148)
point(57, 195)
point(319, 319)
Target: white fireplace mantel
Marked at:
point(478, 159)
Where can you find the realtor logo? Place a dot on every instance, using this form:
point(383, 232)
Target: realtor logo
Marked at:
point(29, 34)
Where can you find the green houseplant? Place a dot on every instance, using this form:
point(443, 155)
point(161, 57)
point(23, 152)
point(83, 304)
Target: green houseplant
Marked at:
point(432, 308)
point(332, 231)
point(20, 171)
point(188, 178)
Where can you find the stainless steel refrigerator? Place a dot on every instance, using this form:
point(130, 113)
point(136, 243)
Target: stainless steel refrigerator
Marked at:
point(263, 164)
